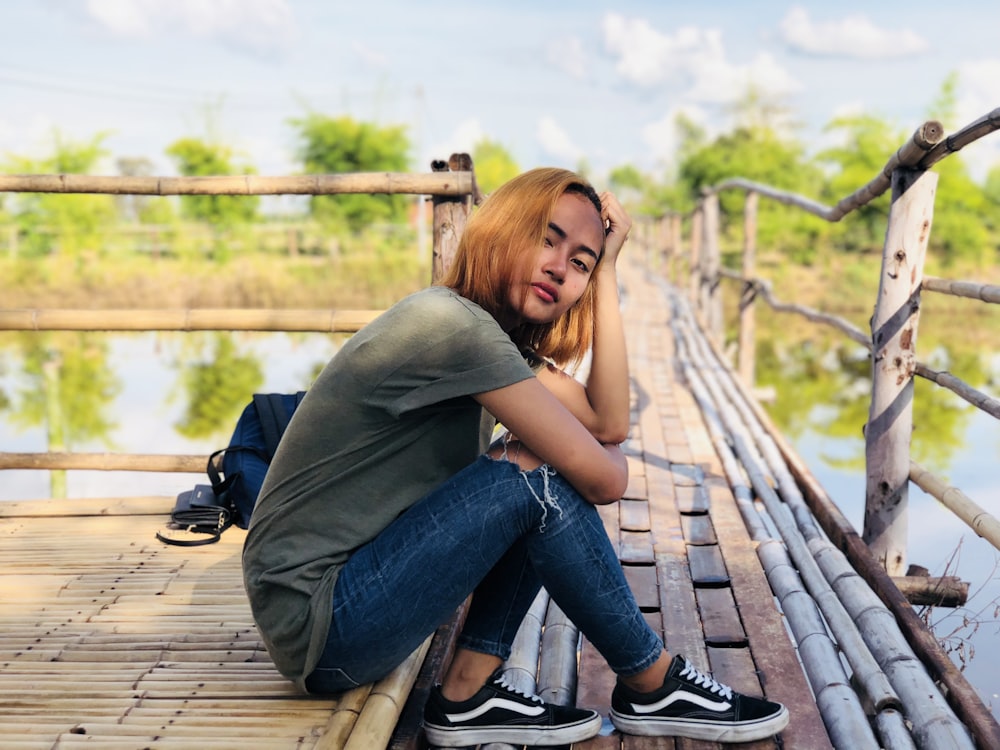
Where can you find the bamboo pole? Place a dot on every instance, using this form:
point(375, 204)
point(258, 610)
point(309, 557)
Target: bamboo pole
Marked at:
point(106, 462)
point(220, 319)
point(978, 519)
point(747, 333)
point(841, 710)
point(969, 289)
point(454, 183)
point(932, 720)
point(972, 132)
point(962, 697)
point(894, 335)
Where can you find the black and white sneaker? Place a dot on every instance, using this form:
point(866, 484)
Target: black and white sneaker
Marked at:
point(500, 713)
point(692, 704)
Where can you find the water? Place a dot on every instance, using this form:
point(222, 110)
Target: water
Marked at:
point(155, 379)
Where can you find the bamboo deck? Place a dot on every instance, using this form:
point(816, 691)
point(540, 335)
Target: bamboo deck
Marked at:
point(111, 639)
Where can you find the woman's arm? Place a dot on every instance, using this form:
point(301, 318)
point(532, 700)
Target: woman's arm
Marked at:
point(602, 405)
point(551, 434)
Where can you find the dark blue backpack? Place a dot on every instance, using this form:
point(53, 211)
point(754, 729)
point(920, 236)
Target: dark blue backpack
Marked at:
point(249, 453)
point(208, 510)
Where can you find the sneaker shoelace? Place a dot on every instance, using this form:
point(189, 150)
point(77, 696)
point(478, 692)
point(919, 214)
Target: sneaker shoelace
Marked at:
point(502, 682)
point(701, 679)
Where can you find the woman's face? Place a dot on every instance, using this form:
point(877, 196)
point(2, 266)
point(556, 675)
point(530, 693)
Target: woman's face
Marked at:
point(561, 271)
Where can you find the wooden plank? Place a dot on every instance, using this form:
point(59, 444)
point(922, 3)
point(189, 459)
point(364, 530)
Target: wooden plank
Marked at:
point(698, 529)
point(692, 499)
point(708, 569)
point(642, 580)
point(634, 515)
point(719, 618)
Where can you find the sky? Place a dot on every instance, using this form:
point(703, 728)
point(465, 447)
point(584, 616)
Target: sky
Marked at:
point(556, 83)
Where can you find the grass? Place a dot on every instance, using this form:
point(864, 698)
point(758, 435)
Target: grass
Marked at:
point(354, 281)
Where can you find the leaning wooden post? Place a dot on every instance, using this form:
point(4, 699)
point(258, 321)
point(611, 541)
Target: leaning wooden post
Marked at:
point(894, 338)
point(675, 246)
point(694, 264)
point(450, 215)
point(747, 335)
point(711, 299)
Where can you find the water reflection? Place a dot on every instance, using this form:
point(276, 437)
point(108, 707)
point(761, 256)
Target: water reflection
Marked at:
point(171, 393)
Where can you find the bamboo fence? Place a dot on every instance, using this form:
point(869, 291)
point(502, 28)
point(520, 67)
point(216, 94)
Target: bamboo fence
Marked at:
point(893, 340)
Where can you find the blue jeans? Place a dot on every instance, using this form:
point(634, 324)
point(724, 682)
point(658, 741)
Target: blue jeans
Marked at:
point(500, 534)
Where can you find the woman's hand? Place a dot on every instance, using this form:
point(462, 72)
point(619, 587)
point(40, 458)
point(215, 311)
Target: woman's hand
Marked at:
point(618, 223)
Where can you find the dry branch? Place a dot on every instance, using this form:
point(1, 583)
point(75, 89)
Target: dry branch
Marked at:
point(909, 155)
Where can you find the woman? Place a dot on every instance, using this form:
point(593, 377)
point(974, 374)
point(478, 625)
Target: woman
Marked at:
point(382, 510)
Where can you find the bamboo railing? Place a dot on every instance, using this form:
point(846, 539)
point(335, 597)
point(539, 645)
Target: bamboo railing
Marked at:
point(451, 185)
point(894, 324)
point(879, 554)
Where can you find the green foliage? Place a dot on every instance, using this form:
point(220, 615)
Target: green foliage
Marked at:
point(494, 165)
point(329, 145)
point(198, 158)
point(68, 224)
point(960, 231)
point(218, 388)
point(760, 155)
point(866, 145)
point(67, 387)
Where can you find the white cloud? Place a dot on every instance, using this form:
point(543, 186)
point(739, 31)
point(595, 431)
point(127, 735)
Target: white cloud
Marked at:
point(692, 57)
point(370, 57)
point(661, 137)
point(462, 140)
point(853, 36)
point(647, 57)
point(258, 27)
point(568, 56)
point(556, 142)
point(977, 96)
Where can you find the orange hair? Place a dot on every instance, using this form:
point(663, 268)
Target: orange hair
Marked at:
point(507, 230)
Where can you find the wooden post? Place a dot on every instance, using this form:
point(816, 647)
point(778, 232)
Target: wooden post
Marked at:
point(711, 300)
point(694, 267)
point(747, 335)
point(894, 338)
point(675, 247)
point(450, 216)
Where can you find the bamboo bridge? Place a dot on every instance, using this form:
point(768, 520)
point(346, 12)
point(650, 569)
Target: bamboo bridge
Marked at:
point(112, 639)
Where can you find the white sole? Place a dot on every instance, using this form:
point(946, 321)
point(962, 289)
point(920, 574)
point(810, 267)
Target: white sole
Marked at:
point(538, 736)
point(699, 729)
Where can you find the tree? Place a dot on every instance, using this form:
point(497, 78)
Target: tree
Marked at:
point(493, 164)
point(760, 155)
point(866, 145)
point(198, 158)
point(329, 145)
point(961, 229)
point(68, 224)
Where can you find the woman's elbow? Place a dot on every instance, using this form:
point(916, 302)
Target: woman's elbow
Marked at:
point(612, 433)
point(609, 487)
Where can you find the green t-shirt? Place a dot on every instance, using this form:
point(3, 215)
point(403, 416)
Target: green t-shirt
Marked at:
point(388, 419)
